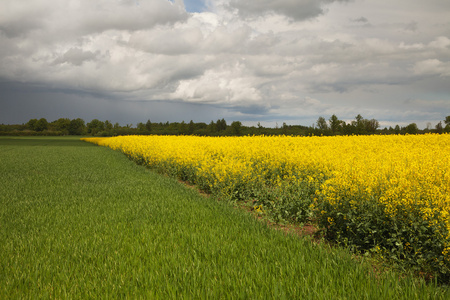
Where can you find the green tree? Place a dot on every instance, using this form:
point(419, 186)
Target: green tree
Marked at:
point(41, 125)
point(108, 125)
point(447, 124)
point(371, 126)
point(335, 124)
point(221, 125)
point(439, 128)
point(191, 128)
point(182, 128)
point(348, 128)
point(236, 127)
point(140, 127)
point(212, 127)
point(322, 124)
point(62, 124)
point(95, 126)
point(77, 127)
point(284, 128)
point(412, 128)
point(148, 125)
point(31, 124)
point(359, 124)
point(447, 120)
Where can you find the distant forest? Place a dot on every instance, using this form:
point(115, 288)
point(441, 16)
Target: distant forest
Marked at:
point(323, 127)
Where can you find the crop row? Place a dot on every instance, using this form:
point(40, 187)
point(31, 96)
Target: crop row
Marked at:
point(383, 194)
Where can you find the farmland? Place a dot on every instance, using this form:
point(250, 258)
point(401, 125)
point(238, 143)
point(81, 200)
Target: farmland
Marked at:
point(387, 195)
point(80, 221)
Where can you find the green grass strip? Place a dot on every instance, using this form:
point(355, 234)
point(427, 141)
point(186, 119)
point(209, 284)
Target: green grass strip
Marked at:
point(82, 221)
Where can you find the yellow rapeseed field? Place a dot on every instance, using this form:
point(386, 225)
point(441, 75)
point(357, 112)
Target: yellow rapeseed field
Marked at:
point(399, 173)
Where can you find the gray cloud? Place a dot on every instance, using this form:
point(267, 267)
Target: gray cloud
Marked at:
point(360, 20)
point(295, 9)
point(22, 102)
point(246, 59)
point(17, 19)
point(83, 17)
point(412, 26)
point(76, 56)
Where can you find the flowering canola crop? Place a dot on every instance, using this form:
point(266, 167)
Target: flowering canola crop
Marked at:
point(404, 179)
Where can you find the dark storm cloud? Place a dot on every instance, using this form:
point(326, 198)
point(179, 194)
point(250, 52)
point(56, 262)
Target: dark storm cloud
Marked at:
point(21, 102)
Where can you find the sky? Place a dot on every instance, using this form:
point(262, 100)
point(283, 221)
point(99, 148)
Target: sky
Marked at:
point(264, 61)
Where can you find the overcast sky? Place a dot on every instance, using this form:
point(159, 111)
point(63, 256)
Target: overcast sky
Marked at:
point(254, 61)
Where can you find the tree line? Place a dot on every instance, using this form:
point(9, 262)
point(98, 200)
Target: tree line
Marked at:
point(362, 126)
point(332, 126)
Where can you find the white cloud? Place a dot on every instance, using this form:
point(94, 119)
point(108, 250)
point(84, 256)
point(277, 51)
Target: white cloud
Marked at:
point(338, 56)
point(432, 67)
point(173, 41)
point(441, 42)
point(227, 85)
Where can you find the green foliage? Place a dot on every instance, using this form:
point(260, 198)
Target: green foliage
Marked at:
point(406, 239)
point(212, 127)
point(236, 127)
point(77, 127)
point(141, 127)
point(335, 124)
point(95, 126)
point(221, 125)
point(360, 126)
point(37, 125)
point(286, 203)
point(108, 125)
point(412, 128)
point(191, 128)
point(182, 128)
point(148, 125)
point(447, 120)
point(32, 124)
point(439, 128)
point(447, 124)
point(322, 124)
point(41, 125)
point(64, 126)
